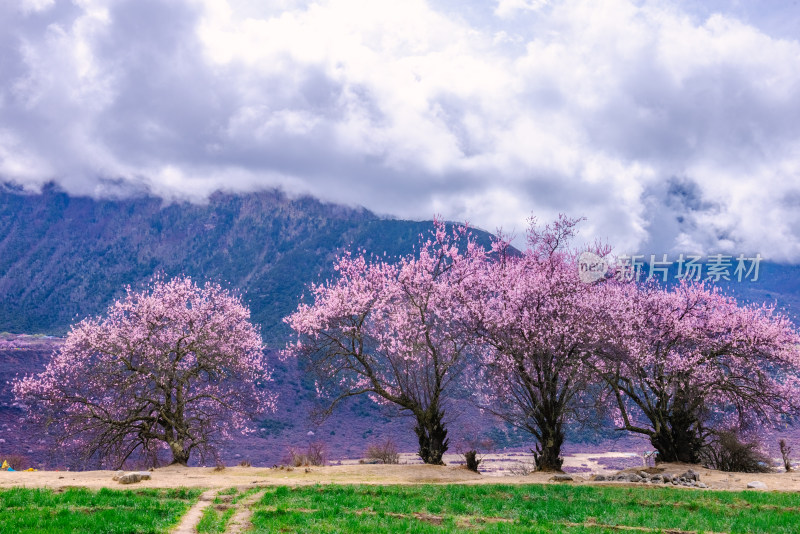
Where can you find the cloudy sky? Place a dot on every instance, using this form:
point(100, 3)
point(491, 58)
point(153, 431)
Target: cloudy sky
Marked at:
point(672, 126)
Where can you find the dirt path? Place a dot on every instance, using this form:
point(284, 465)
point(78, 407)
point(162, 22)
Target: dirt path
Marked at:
point(240, 521)
point(192, 517)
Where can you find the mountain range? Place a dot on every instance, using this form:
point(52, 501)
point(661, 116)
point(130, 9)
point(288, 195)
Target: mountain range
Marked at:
point(63, 258)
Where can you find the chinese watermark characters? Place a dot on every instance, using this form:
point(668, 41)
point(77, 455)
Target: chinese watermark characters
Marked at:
point(715, 268)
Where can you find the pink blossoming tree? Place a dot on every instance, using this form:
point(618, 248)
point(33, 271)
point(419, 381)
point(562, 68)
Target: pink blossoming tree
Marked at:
point(394, 331)
point(176, 366)
point(687, 362)
point(539, 323)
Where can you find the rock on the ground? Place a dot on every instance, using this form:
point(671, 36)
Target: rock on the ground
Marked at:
point(117, 475)
point(691, 475)
point(132, 478)
point(689, 479)
point(756, 484)
point(562, 478)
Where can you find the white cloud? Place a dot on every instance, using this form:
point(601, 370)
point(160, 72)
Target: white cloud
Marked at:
point(667, 129)
point(508, 8)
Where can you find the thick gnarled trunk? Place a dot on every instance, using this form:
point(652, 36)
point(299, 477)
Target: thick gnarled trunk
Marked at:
point(180, 455)
point(678, 439)
point(432, 434)
point(547, 454)
point(547, 393)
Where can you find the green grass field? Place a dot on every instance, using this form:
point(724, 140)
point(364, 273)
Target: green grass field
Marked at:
point(418, 509)
point(76, 510)
point(528, 508)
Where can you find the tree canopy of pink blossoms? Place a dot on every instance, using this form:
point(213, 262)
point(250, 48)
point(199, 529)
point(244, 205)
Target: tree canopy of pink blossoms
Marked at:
point(175, 367)
point(540, 326)
point(394, 330)
point(542, 347)
point(686, 362)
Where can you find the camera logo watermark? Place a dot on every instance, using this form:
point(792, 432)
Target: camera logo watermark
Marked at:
point(592, 268)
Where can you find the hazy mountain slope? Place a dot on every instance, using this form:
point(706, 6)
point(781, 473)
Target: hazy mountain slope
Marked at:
point(63, 258)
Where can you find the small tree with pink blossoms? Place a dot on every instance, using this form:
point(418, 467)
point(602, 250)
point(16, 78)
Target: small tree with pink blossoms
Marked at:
point(691, 362)
point(394, 331)
point(539, 322)
point(176, 366)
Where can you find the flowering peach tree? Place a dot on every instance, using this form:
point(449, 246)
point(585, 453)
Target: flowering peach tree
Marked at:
point(394, 330)
point(686, 362)
point(539, 324)
point(176, 366)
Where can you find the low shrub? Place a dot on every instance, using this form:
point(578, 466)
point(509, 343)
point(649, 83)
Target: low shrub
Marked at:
point(315, 454)
point(728, 451)
point(384, 452)
point(522, 469)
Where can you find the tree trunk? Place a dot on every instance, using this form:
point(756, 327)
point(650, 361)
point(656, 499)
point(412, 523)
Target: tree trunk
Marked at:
point(432, 434)
point(547, 455)
point(180, 456)
point(671, 450)
point(677, 440)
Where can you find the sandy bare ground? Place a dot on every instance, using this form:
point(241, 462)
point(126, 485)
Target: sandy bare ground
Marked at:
point(240, 522)
point(192, 517)
point(243, 477)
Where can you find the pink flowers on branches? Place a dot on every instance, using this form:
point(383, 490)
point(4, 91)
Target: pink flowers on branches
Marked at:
point(688, 363)
point(540, 326)
point(395, 331)
point(176, 367)
point(539, 347)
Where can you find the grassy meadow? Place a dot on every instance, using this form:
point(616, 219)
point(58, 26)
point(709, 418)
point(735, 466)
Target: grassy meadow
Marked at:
point(47, 511)
point(522, 508)
point(419, 509)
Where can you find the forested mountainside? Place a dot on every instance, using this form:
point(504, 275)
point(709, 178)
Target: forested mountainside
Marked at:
point(63, 257)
